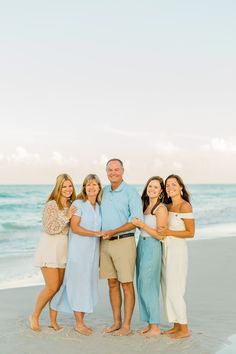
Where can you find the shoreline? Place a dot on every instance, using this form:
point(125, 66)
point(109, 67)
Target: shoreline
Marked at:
point(210, 303)
point(28, 275)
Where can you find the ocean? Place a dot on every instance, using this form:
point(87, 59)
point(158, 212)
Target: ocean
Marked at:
point(21, 206)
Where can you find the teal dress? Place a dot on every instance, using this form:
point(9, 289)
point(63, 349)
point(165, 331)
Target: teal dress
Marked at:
point(148, 274)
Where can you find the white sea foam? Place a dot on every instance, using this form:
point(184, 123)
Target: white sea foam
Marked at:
point(209, 232)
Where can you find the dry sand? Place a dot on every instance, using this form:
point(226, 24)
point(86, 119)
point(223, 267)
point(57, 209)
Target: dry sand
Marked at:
point(211, 311)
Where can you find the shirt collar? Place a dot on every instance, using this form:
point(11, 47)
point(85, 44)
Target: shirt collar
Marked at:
point(119, 189)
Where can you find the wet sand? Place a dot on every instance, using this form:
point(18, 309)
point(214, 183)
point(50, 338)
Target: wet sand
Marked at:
point(211, 311)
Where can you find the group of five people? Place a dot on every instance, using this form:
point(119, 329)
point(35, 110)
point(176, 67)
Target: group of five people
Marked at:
point(101, 225)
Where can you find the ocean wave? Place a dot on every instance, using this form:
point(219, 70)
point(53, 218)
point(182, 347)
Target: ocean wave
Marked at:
point(18, 226)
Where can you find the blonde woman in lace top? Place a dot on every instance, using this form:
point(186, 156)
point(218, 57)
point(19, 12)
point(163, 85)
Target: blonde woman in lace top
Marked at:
point(175, 256)
point(51, 254)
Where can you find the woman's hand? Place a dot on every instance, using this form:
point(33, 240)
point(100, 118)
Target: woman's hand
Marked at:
point(101, 234)
point(71, 211)
point(137, 222)
point(107, 234)
point(165, 232)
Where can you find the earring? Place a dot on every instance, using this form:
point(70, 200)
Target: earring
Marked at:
point(181, 192)
point(161, 196)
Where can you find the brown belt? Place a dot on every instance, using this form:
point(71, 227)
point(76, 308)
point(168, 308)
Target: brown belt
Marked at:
point(129, 234)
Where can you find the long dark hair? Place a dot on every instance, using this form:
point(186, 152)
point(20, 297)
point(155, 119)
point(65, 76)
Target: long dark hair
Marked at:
point(162, 196)
point(185, 194)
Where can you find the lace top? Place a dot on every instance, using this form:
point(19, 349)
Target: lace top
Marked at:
point(55, 220)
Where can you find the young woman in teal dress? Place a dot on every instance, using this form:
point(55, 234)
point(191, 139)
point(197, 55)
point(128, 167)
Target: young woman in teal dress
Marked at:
point(149, 254)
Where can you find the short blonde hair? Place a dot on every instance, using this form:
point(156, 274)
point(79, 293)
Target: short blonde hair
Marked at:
point(91, 177)
point(56, 192)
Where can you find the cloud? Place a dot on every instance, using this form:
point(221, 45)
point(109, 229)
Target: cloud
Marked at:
point(21, 155)
point(102, 160)
point(220, 145)
point(60, 159)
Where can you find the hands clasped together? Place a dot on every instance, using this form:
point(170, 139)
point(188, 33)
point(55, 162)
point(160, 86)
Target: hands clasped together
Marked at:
point(140, 224)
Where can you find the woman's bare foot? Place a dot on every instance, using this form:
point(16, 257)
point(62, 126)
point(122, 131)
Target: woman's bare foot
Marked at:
point(34, 324)
point(180, 334)
point(172, 330)
point(113, 328)
point(82, 329)
point(123, 332)
point(143, 330)
point(55, 326)
point(153, 332)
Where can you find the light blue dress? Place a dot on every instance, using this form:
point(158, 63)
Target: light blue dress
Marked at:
point(79, 291)
point(148, 273)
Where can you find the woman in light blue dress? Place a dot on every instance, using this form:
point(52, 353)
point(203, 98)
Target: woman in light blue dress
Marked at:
point(149, 254)
point(79, 291)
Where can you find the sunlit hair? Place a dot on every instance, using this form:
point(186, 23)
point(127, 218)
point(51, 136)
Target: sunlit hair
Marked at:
point(115, 159)
point(184, 193)
point(56, 192)
point(162, 196)
point(83, 195)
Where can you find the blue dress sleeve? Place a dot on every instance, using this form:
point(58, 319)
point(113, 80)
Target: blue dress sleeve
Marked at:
point(79, 206)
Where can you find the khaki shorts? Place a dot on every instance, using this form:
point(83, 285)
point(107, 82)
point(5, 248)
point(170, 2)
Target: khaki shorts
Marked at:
point(117, 259)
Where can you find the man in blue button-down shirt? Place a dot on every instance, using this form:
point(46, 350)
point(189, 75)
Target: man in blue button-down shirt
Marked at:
point(120, 203)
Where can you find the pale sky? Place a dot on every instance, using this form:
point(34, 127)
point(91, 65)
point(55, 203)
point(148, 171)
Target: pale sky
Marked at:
point(150, 82)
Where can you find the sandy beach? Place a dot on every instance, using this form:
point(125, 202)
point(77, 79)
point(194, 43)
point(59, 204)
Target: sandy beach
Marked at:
point(211, 311)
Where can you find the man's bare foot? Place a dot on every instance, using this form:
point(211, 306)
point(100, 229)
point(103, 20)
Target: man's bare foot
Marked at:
point(112, 329)
point(34, 324)
point(55, 326)
point(122, 332)
point(180, 334)
point(172, 330)
point(143, 330)
point(152, 333)
point(82, 329)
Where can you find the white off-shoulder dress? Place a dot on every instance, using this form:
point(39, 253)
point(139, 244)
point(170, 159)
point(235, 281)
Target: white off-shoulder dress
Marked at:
point(174, 270)
point(52, 248)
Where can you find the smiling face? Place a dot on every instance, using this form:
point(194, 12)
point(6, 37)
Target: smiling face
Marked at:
point(154, 189)
point(173, 188)
point(92, 188)
point(67, 189)
point(115, 172)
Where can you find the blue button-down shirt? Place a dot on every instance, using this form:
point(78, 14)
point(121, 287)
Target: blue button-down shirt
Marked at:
point(118, 207)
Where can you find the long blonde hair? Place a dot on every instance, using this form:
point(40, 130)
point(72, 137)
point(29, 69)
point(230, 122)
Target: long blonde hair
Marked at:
point(83, 195)
point(56, 192)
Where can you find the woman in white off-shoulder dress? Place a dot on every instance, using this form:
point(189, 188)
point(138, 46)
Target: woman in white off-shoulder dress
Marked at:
point(175, 256)
point(51, 254)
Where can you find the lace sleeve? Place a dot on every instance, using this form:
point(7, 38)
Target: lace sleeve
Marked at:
point(53, 219)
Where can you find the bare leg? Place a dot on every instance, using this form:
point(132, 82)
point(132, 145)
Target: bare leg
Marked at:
point(183, 332)
point(80, 325)
point(129, 301)
point(115, 299)
point(172, 330)
point(153, 331)
point(53, 313)
point(51, 277)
